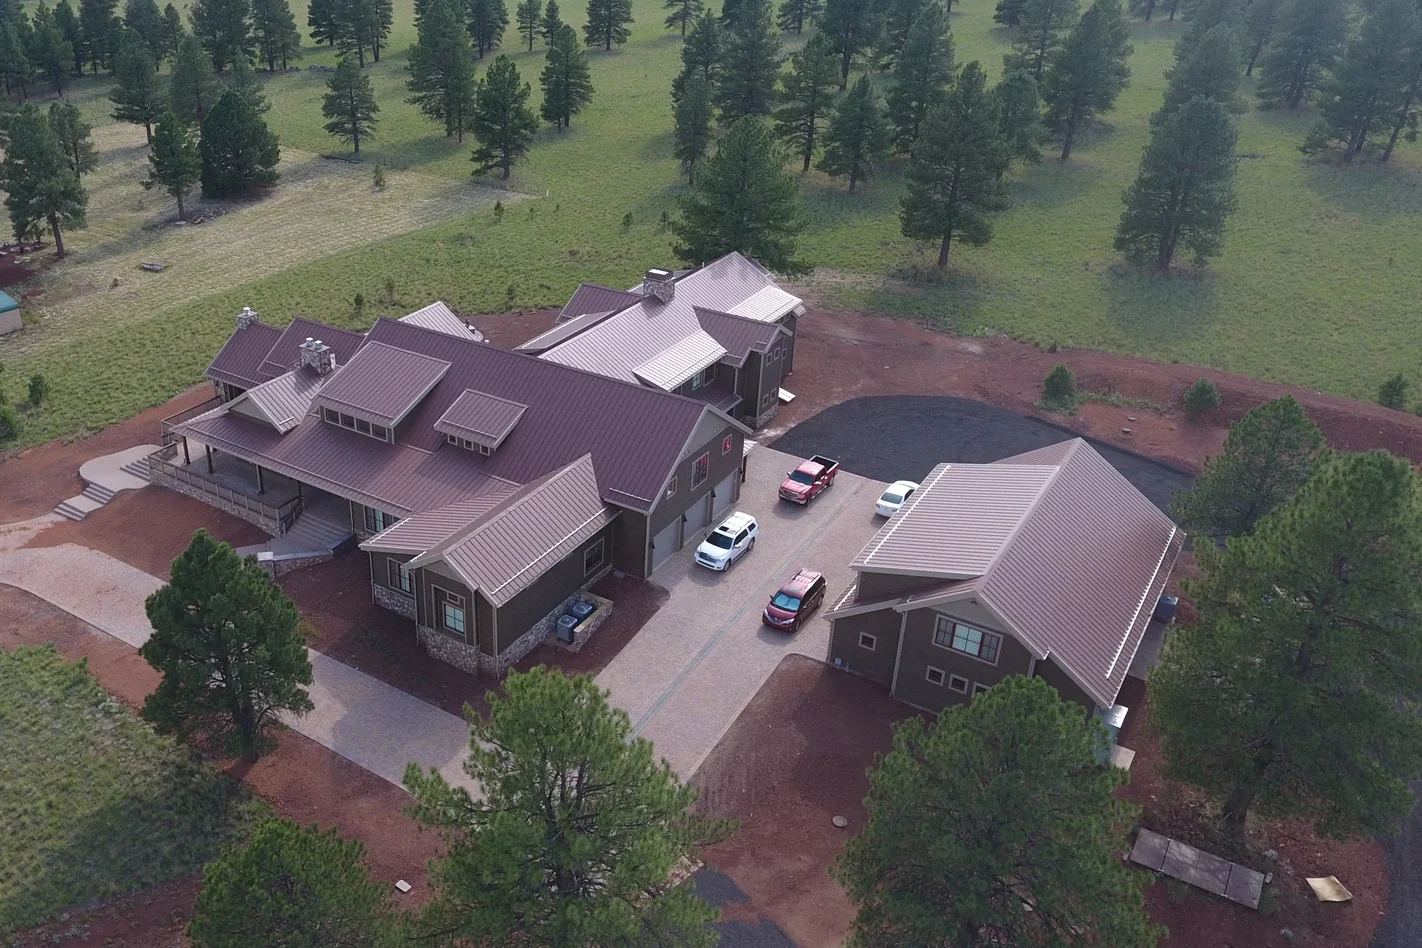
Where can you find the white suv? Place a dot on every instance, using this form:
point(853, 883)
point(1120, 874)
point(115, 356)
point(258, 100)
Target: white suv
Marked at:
point(724, 545)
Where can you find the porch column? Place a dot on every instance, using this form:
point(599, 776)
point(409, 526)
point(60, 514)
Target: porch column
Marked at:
point(261, 485)
point(187, 461)
point(208, 447)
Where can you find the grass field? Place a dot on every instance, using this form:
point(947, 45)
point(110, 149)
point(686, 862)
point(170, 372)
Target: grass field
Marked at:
point(93, 803)
point(1316, 285)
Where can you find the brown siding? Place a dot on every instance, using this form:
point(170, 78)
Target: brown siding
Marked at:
point(629, 543)
point(685, 496)
point(878, 585)
point(380, 568)
point(429, 611)
point(560, 581)
point(877, 665)
point(486, 628)
point(919, 653)
point(789, 365)
point(1050, 672)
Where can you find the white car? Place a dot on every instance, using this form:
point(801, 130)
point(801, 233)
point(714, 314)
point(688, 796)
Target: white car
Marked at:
point(894, 496)
point(728, 542)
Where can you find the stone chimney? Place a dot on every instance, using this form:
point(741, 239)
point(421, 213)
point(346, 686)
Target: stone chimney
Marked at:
point(246, 318)
point(318, 355)
point(659, 284)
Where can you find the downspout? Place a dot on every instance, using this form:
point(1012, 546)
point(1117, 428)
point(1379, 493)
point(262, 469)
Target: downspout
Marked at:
point(898, 655)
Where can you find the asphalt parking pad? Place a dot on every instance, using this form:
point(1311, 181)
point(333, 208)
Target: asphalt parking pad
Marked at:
point(888, 437)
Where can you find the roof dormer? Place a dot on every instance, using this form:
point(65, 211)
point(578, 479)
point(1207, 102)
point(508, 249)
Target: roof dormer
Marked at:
point(377, 388)
point(478, 421)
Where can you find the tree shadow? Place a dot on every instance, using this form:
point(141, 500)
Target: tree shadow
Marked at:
point(1053, 183)
point(1373, 190)
point(1156, 309)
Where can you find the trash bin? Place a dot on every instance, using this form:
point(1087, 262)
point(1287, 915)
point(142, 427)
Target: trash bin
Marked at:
point(567, 626)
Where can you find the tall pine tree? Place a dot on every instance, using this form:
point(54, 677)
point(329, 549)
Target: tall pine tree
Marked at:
point(857, 140)
point(349, 104)
point(1040, 30)
point(552, 19)
point(50, 53)
point(608, 22)
point(137, 96)
point(274, 31)
point(224, 28)
point(529, 17)
point(69, 24)
point(1086, 75)
point(96, 21)
point(192, 89)
point(174, 162)
point(1020, 116)
point(1261, 19)
point(923, 70)
point(700, 54)
point(806, 99)
point(502, 122)
point(899, 18)
point(853, 27)
point(41, 190)
point(487, 21)
point(1302, 52)
point(750, 61)
point(566, 81)
point(441, 68)
point(1209, 68)
point(142, 17)
point(795, 15)
point(73, 134)
point(683, 14)
point(239, 152)
point(692, 112)
point(1404, 120)
point(173, 30)
point(323, 19)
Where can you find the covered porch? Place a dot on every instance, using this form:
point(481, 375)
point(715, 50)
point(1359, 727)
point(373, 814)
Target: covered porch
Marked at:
point(260, 496)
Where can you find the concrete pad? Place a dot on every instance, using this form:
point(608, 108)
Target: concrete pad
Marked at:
point(1211, 873)
point(1149, 850)
point(1245, 886)
point(107, 471)
point(1180, 860)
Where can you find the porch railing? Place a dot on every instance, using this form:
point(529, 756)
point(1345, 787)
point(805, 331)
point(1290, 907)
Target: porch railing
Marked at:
point(167, 425)
point(283, 515)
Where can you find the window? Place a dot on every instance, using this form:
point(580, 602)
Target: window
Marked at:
point(934, 676)
point(593, 557)
point(485, 450)
point(451, 439)
point(362, 426)
point(671, 487)
point(701, 378)
point(377, 520)
point(961, 638)
point(452, 612)
point(331, 415)
point(978, 689)
point(347, 421)
point(700, 470)
point(958, 683)
point(380, 431)
point(401, 579)
point(868, 641)
point(726, 444)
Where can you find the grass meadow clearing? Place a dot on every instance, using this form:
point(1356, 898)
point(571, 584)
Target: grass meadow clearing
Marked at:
point(94, 803)
point(1317, 283)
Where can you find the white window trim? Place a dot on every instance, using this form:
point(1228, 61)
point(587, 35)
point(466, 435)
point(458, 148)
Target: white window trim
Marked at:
point(671, 487)
point(727, 443)
point(873, 641)
point(704, 477)
point(404, 577)
point(601, 548)
point(952, 625)
point(979, 688)
point(959, 684)
point(446, 597)
point(928, 672)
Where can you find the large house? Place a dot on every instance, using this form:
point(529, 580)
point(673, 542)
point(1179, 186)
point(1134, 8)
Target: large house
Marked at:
point(723, 334)
point(1049, 563)
point(488, 487)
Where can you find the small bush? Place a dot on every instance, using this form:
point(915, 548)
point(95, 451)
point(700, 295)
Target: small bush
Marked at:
point(39, 390)
point(377, 177)
point(359, 303)
point(626, 222)
point(1059, 388)
point(1393, 392)
point(498, 212)
point(9, 423)
point(1201, 399)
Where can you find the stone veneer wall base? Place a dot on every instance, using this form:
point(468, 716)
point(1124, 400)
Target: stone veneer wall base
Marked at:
point(251, 516)
point(395, 602)
point(449, 650)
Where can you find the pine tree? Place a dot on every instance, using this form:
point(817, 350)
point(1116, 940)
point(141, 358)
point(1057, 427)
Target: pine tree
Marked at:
point(224, 29)
point(691, 134)
point(361, 26)
point(1205, 16)
point(274, 31)
point(1404, 121)
point(795, 15)
point(1260, 23)
point(1302, 51)
point(807, 97)
point(608, 22)
point(955, 176)
point(853, 27)
point(552, 19)
point(1184, 193)
point(743, 201)
point(1020, 116)
point(899, 18)
point(50, 52)
point(309, 885)
point(1086, 75)
point(750, 62)
point(239, 152)
point(14, 60)
point(1209, 69)
point(578, 829)
point(529, 16)
point(1371, 84)
point(242, 81)
point(700, 54)
point(1035, 847)
point(1143, 8)
point(857, 140)
point(441, 67)
point(683, 14)
point(1040, 30)
point(173, 30)
point(41, 190)
point(349, 104)
point(382, 23)
point(68, 22)
point(1308, 637)
point(142, 17)
point(192, 89)
point(174, 162)
point(1009, 12)
point(96, 21)
point(922, 73)
point(730, 10)
point(487, 21)
point(137, 96)
point(501, 121)
point(323, 19)
point(565, 81)
point(73, 134)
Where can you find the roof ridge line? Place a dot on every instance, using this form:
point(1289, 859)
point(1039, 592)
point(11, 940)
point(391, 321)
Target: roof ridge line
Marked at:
point(890, 528)
point(1032, 507)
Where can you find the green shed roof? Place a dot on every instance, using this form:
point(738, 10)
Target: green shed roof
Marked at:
point(7, 302)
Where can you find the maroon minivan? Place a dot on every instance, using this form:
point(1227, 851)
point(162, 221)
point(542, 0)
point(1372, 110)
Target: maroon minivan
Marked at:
point(793, 604)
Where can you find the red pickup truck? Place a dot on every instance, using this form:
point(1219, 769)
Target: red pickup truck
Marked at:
point(809, 480)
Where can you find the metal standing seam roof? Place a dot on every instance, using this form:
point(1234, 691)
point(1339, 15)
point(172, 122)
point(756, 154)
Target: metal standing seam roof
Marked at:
point(441, 318)
point(739, 335)
point(382, 383)
point(766, 305)
point(480, 417)
point(429, 528)
point(594, 298)
point(239, 361)
point(674, 365)
point(285, 353)
point(284, 400)
point(561, 331)
point(505, 550)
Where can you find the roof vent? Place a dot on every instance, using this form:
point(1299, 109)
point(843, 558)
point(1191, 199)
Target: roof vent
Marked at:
point(246, 318)
point(660, 284)
point(318, 355)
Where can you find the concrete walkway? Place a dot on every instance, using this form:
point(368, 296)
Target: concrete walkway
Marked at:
point(104, 477)
point(372, 724)
point(692, 669)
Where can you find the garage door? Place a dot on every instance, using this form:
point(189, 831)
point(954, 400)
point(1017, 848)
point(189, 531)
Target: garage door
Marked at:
point(723, 495)
point(664, 544)
point(696, 518)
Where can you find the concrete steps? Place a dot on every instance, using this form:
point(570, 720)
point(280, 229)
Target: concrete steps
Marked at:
point(105, 476)
point(98, 493)
point(79, 507)
point(139, 469)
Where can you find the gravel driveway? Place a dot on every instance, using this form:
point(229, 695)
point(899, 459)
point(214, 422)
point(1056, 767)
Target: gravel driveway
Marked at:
point(889, 437)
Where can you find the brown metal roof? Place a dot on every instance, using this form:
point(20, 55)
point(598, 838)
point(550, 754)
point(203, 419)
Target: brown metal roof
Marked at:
point(561, 331)
point(382, 383)
point(285, 353)
point(505, 550)
point(739, 335)
point(426, 530)
point(592, 298)
point(716, 398)
point(239, 361)
point(441, 318)
point(285, 400)
point(482, 418)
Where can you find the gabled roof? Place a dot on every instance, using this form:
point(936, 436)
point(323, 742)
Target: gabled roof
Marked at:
point(239, 361)
point(766, 305)
point(566, 329)
point(283, 401)
point(680, 361)
point(1055, 543)
point(441, 318)
point(503, 551)
point(739, 335)
point(592, 298)
point(285, 353)
point(428, 529)
point(480, 417)
point(382, 383)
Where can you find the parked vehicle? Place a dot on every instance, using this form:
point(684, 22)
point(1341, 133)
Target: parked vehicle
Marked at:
point(809, 480)
point(792, 605)
point(728, 542)
point(894, 496)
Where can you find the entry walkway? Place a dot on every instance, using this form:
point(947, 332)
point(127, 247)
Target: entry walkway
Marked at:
point(692, 669)
point(370, 723)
